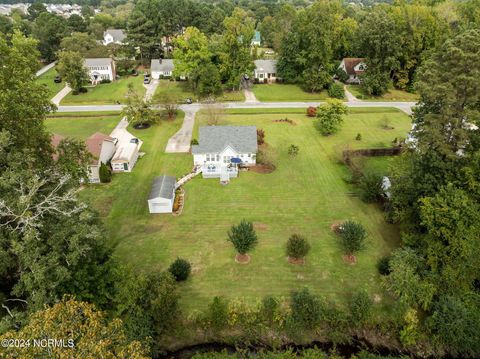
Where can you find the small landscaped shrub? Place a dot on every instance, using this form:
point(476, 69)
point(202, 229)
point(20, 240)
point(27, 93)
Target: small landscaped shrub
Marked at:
point(105, 81)
point(180, 269)
point(361, 306)
point(269, 308)
point(386, 123)
point(359, 137)
point(383, 265)
point(306, 309)
point(105, 173)
point(336, 91)
point(370, 185)
point(194, 141)
point(353, 235)
point(297, 246)
point(311, 111)
point(243, 237)
point(293, 150)
point(218, 313)
point(330, 116)
point(260, 136)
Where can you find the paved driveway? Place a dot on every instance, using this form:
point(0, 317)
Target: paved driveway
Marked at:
point(120, 132)
point(180, 142)
point(151, 88)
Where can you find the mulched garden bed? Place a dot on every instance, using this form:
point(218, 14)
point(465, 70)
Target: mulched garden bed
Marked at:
point(141, 126)
point(335, 227)
point(285, 120)
point(179, 201)
point(242, 258)
point(297, 261)
point(263, 168)
point(349, 259)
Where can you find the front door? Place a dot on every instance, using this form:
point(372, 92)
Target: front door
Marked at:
point(125, 166)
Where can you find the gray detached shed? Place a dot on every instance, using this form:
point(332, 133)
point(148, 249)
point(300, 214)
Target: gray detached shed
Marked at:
point(162, 194)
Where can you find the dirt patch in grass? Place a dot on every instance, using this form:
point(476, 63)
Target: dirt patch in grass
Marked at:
point(242, 258)
point(263, 168)
point(296, 261)
point(349, 259)
point(260, 226)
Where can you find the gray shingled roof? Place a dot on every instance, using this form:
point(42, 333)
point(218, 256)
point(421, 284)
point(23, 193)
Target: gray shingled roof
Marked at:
point(162, 65)
point(105, 61)
point(163, 186)
point(267, 66)
point(214, 139)
point(117, 34)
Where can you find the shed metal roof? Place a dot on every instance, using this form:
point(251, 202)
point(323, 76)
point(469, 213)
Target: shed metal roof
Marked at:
point(214, 139)
point(163, 187)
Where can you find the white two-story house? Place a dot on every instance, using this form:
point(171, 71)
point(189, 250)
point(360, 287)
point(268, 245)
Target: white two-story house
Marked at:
point(114, 36)
point(222, 149)
point(161, 68)
point(100, 69)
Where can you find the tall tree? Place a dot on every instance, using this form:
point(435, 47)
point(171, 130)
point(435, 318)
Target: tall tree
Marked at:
point(235, 48)
point(191, 52)
point(86, 333)
point(71, 65)
point(49, 30)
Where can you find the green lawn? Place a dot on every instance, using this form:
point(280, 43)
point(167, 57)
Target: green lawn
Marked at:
point(47, 80)
point(303, 195)
point(392, 95)
point(82, 125)
point(285, 92)
point(106, 94)
point(180, 89)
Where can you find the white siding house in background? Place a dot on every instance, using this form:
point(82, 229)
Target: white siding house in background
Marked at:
point(354, 67)
point(162, 195)
point(100, 69)
point(161, 68)
point(222, 148)
point(265, 71)
point(114, 36)
point(102, 148)
point(125, 158)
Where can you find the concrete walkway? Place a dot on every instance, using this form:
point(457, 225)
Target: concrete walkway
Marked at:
point(151, 88)
point(350, 96)
point(180, 142)
point(45, 69)
point(250, 96)
point(61, 94)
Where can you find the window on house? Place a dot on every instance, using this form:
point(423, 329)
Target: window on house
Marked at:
point(218, 158)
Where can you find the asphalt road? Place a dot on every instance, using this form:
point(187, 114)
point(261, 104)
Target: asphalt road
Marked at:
point(404, 106)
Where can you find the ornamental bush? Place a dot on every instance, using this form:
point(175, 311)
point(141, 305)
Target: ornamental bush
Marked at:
point(297, 246)
point(311, 111)
point(361, 307)
point(243, 237)
point(336, 91)
point(370, 185)
point(383, 265)
point(104, 173)
point(180, 269)
point(353, 235)
point(306, 309)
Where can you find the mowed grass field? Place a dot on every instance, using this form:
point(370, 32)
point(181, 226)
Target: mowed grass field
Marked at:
point(304, 195)
point(181, 89)
point(82, 125)
point(393, 94)
point(47, 78)
point(277, 92)
point(107, 94)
